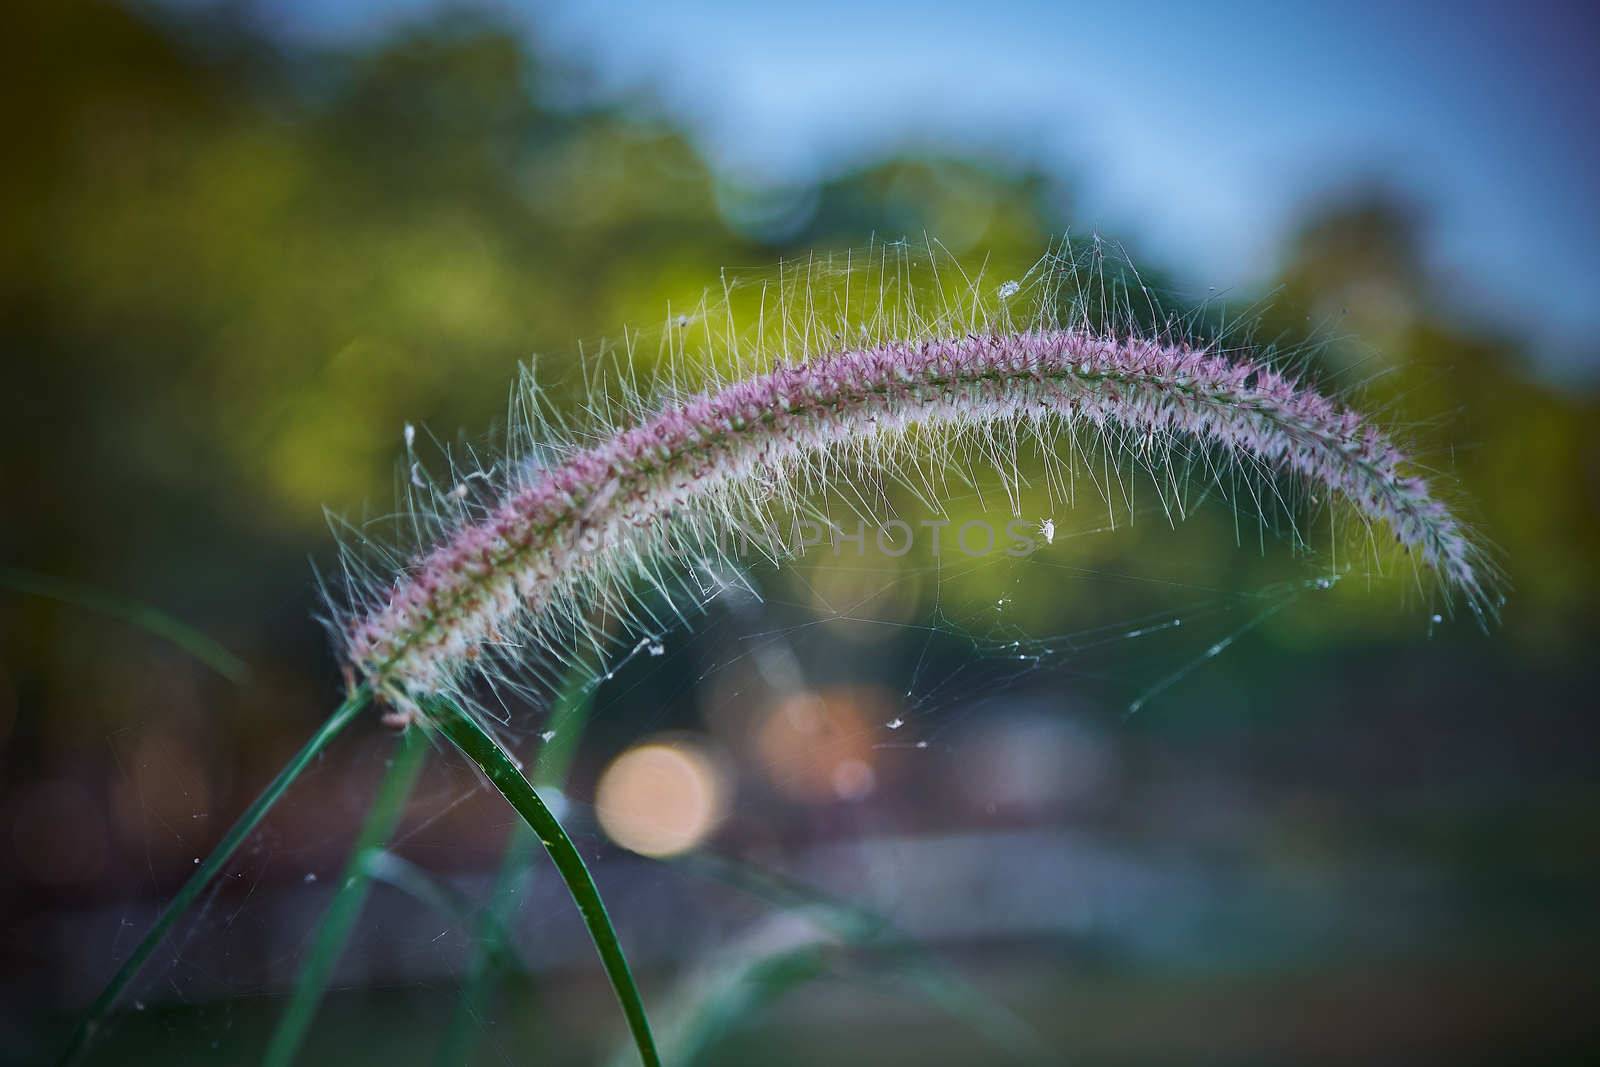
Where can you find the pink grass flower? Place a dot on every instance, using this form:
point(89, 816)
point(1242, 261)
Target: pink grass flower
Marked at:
point(700, 457)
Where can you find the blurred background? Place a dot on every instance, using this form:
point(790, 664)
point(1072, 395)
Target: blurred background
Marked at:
point(243, 244)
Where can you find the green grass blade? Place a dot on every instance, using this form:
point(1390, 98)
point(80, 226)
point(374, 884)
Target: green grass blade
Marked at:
point(354, 883)
point(400, 873)
point(744, 995)
point(898, 957)
point(569, 714)
point(146, 618)
point(208, 870)
point(501, 770)
point(384, 866)
point(711, 1003)
point(492, 950)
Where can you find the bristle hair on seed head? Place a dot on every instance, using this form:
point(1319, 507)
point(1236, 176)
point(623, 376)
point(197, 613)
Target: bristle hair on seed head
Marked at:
point(889, 361)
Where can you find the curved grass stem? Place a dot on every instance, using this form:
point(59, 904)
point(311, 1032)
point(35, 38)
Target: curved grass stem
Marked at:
point(502, 771)
point(213, 865)
point(354, 883)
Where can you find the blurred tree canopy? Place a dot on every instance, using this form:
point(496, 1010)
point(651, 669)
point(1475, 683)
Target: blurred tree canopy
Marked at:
point(231, 272)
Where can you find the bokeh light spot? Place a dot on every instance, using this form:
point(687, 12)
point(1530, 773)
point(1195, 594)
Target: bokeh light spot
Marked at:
point(661, 799)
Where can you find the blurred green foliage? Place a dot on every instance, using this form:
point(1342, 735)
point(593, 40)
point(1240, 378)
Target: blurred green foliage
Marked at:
point(232, 270)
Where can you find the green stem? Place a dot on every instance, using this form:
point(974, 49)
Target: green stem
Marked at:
point(483, 750)
point(349, 896)
point(142, 616)
point(208, 870)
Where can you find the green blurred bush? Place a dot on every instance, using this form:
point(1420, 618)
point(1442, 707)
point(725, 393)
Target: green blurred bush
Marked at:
point(231, 272)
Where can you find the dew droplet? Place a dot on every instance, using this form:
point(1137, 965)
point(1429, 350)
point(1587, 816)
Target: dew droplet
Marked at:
point(547, 736)
point(1010, 289)
point(895, 723)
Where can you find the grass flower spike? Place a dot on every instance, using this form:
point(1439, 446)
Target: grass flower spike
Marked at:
point(577, 528)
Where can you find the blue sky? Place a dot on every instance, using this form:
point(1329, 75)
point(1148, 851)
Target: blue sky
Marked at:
point(1195, 130)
